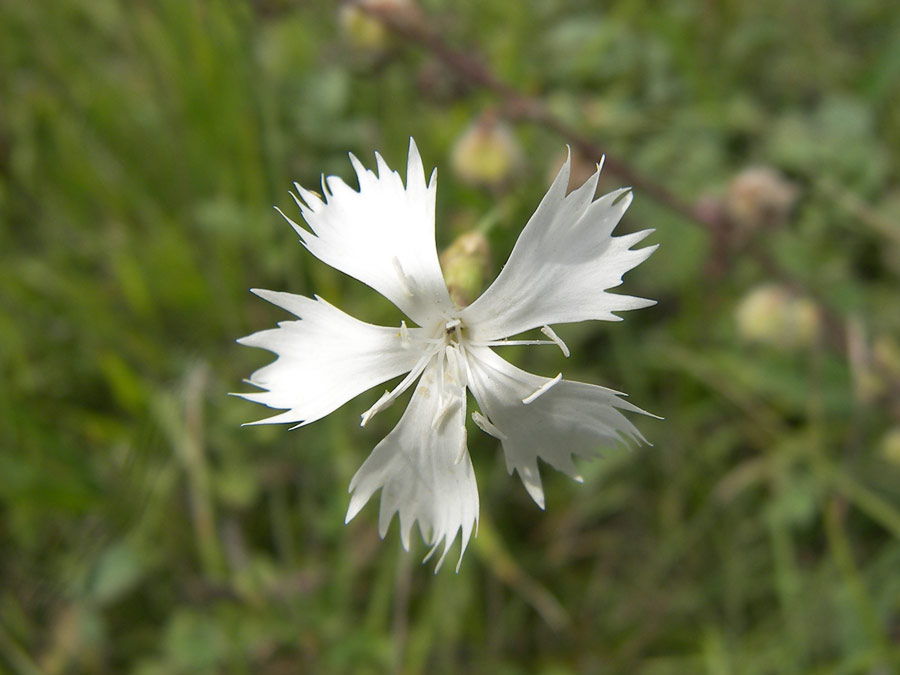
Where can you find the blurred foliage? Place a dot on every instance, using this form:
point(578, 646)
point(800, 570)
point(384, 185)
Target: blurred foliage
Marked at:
point(142, 146)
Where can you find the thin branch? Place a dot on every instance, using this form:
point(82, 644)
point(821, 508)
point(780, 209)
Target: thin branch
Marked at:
point(413, 27)
point(517, 105)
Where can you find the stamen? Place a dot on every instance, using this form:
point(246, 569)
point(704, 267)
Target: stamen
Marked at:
point(404, 335)
point(456, 375)
point(543, 389)
point(549, 332)
point(485, 425)
point(462, 447)
point(452, 379)
point(401, 275)
point(390, 396)
point(453, 323)
point(446, 405)
point(380, 405)
point(512, 343)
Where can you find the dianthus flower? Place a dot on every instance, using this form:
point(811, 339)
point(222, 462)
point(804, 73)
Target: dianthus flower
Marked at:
point(560, 271)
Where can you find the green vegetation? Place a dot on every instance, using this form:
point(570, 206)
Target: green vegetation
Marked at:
point(142, 147)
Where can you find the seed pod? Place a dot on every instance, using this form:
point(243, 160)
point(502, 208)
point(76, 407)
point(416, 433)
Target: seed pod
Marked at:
point(759, 197)
point(487, 153)
point(773, 315)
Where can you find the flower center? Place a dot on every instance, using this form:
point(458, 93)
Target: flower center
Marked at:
point(453, 332)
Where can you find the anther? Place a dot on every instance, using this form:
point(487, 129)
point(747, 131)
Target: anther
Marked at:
point(404, 335)
point(375, 409)
point(485, 425)
point(550, 333)
point(462, 447)
point(445, 408)
point(408, 285)
point(543, 389)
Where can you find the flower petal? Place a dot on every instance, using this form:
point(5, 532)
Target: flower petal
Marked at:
point(382, 235)
point(562, 419)
point(325, 359)
point(562, 264)
point(423, 468)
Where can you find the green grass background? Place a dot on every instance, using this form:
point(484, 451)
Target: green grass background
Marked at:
point(142, 530)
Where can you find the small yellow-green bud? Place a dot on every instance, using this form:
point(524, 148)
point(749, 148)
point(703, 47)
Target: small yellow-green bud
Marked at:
point(759, 197)
point(362, 31)
point(486, 153)
point(775, 316)
point(466, 264)
point(366, 32)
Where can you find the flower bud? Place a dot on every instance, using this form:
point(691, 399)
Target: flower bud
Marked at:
point(486, 153)
point(759, 197)
point(775, 316)
point(364, 31)
point(466, 264)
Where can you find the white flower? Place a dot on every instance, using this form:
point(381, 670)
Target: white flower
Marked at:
point(560, 270)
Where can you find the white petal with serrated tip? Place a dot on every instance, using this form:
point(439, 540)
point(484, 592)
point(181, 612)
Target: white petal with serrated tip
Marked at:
point(566, 420)
point(324, 359)
point(423, 468)
point(562, 265)
point(382, 234)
